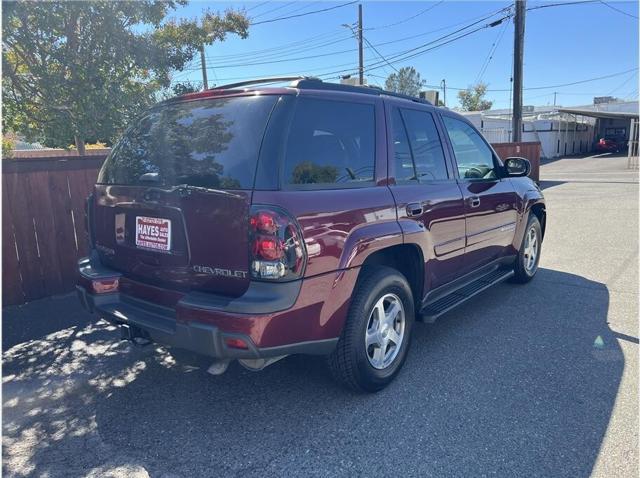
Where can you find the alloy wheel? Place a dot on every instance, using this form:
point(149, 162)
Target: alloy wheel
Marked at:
point(385, 331)
point(531, 247)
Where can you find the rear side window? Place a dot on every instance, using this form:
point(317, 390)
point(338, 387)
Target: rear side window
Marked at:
point(421, 142)
point(211, 143)
point(330, 142)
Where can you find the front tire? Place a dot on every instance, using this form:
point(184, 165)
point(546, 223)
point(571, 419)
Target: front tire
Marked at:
point(528, 256)
point(377, 333)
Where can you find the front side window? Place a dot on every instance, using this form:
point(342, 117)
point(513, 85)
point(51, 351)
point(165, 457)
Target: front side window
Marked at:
point(330, 142)
point(418, 150)
point(473, 155)
point(211, 143)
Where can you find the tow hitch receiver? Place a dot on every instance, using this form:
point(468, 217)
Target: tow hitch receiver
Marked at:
point(126, 332)
point(133, 334)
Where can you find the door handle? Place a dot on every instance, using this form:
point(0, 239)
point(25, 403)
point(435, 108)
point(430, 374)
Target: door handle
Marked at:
point(474, 201)
point(414, 209)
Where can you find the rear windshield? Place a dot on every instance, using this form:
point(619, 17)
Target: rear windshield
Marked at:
point(211, 143)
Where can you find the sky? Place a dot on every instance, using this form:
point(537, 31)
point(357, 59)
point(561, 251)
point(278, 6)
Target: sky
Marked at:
point(563, 44)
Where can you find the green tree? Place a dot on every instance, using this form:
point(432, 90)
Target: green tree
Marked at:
point(406, 81)
point(472, 99)
point(8, 144)
point(182, 88)
point(80, 71)
point(308, 172)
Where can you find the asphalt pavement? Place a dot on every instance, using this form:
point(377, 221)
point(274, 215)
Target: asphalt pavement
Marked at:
point(534, 380)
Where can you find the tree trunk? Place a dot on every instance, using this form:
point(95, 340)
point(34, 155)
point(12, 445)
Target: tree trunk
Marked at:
point(80, 145)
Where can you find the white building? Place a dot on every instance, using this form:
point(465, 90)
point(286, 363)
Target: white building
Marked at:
point(560, 131)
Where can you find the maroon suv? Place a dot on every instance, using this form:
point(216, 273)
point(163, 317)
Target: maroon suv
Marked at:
point(252, 223)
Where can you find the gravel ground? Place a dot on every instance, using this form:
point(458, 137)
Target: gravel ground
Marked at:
point(535, 380)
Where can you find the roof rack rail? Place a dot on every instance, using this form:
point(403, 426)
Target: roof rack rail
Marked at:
point(313, 83)
point(257, 81)
point(317, 84)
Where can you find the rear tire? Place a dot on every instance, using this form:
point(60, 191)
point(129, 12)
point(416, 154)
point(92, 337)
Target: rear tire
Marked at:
point(528, 256)
point(367, 357)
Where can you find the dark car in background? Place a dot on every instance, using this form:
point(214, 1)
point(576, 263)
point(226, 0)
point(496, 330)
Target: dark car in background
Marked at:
point(250, 223)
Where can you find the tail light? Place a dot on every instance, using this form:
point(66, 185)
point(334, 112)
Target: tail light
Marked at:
point(235, 343)
point(104, 286)
point(277, 250)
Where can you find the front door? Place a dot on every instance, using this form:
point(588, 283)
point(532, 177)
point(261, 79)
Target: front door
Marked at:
point(429, 203)
point(490, 202)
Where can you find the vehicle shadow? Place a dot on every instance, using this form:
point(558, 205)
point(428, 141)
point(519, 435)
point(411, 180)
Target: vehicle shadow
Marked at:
point(520, 381)
point(546, 184)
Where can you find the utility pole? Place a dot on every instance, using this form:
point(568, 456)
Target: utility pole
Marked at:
point(518, 55)
point(203, 63)
point(360, 50)
point(554, 97)
point(443, 85)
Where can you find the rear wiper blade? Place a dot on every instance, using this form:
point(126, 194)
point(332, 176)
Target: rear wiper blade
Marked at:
point(186, 189)
point(183, 189)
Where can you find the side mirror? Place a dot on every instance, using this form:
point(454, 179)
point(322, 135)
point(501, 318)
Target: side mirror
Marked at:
point(517, 167)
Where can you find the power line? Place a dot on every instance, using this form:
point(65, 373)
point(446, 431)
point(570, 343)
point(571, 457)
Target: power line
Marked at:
point(563, 4)
point(633, 94)
point(303, 45)
point(633, 74)
point(420, 50)
point(394, 55)
point(381, 64)
point(276, 55)
point(453, 33)
point(304, 14)
point(452, 87)
point(287, 51)
point(274, 9)
point(293, 47)
point(257, 6)
point(618, 10)
point(267, 62)
point(406, 19)
point(492, 51)
point(582, 81)
point(411, 53)
point(546, 87)
point(379, 54)
point(301, 8)
point(305, 42)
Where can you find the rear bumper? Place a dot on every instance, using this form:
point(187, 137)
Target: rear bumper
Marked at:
point(270, 324)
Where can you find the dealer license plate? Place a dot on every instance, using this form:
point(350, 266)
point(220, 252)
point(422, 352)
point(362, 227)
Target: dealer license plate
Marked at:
point(153, 233)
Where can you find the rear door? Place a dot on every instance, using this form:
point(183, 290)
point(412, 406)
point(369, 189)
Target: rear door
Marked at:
point(490, 202)
point(429, 203)
point(172, 200)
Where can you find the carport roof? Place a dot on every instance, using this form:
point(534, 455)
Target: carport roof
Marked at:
point(595, 112)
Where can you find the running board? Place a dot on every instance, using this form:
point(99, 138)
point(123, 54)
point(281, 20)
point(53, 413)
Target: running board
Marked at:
point(435, 309)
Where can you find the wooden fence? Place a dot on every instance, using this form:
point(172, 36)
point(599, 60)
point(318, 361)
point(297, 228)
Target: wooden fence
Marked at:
point(43, 232)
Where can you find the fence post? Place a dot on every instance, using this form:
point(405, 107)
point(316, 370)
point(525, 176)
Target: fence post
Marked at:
point(632, 149)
